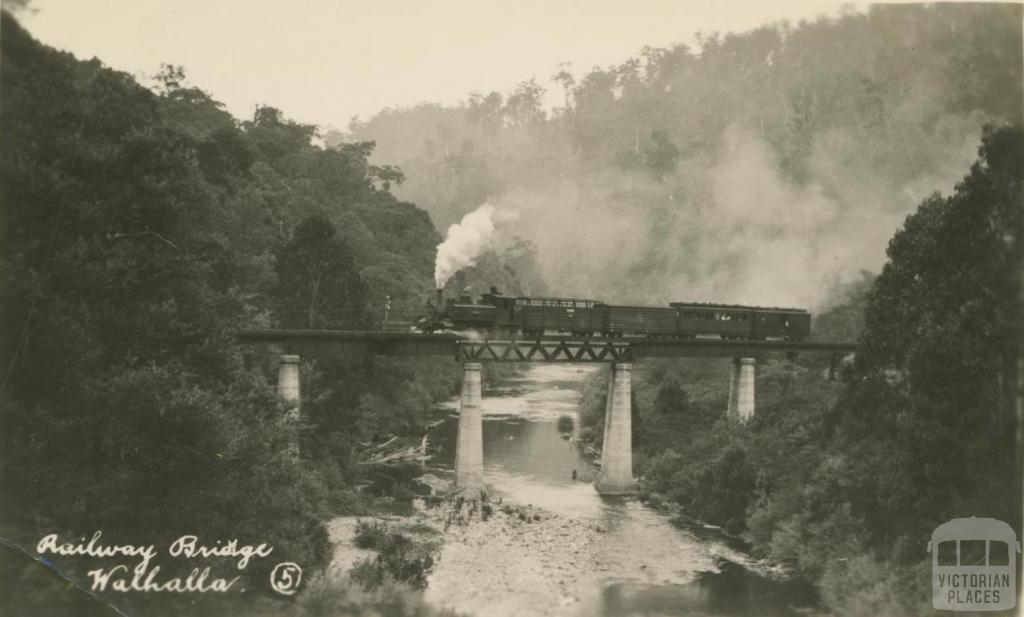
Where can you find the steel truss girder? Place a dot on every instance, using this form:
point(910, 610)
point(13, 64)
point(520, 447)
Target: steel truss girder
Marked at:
point(561, 350)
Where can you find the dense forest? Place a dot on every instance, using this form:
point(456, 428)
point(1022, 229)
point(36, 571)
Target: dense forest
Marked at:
point(759, 167)
point(141, 230)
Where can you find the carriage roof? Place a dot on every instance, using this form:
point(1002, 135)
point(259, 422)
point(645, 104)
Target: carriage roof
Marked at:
point(736, 307)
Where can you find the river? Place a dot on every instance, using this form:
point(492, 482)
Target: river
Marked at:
point(587, 555)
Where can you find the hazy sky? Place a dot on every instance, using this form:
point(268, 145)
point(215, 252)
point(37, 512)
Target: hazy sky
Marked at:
point(323, 61)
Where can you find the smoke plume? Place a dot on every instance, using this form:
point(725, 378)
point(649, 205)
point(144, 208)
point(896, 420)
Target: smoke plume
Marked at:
point(467, 240)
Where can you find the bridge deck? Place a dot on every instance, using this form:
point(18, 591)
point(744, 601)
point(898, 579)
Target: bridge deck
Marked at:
point(544, 349)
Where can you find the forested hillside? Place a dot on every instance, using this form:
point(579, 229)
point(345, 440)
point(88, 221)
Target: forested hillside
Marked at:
point(141, 230)
point(844, 481)
point(759, 167)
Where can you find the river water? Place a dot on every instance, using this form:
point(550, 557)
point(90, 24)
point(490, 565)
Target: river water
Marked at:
point(587, 555)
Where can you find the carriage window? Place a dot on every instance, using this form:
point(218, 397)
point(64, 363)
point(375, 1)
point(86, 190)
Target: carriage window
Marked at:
point(972, 552)
point(947, 553)
point(998, 553)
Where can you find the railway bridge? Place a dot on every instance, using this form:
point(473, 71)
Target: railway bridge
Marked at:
point(616, 476)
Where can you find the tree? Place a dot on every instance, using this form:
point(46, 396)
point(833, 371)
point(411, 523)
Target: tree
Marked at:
point(942, 327)
point(318, 286)
point(525, 104)
point(662, 156)
point(565, 79)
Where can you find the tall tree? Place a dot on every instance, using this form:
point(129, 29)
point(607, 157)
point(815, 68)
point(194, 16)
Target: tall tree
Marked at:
point(318, 286)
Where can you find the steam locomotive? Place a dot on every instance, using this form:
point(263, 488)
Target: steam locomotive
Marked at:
point(497, 314)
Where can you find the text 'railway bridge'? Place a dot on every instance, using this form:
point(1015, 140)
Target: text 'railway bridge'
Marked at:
point(616, 476)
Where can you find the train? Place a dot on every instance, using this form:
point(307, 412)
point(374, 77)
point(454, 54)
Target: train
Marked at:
point(496, 314)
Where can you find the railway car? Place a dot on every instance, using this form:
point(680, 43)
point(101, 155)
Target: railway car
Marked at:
point(577, 317)
point(642, 320)
point(736, 321)
point(786, 323)
point(726, 321)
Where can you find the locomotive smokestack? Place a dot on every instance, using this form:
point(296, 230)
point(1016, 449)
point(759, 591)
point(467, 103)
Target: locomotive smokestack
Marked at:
point(440, 297)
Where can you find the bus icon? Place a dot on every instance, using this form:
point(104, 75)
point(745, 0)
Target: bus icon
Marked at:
point(974, 565)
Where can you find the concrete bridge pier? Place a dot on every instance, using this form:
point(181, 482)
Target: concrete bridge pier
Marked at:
point(741, 389)
point(469, 450)
point(288, 390)
point(616, 476)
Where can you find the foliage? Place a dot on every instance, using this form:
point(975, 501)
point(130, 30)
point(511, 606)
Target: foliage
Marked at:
point(399, 559)
point(936, 359)
point(329, 599)
point(141, 230)
point(316, 280)
point(370, 535)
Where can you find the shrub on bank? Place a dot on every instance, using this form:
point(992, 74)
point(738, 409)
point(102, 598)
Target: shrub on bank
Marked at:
point(323, 598)
point(398, 559)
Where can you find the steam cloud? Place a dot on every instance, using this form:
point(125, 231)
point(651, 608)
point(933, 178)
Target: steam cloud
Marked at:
point(467, 240)
point(736, 230)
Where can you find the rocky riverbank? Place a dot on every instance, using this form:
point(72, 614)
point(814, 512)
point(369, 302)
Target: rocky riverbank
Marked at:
point(506, 559)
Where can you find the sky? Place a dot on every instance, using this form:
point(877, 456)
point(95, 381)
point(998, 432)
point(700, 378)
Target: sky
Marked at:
point(325, 61)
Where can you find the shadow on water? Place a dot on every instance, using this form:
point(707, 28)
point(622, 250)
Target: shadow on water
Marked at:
point(733, 590)
point(517, 446)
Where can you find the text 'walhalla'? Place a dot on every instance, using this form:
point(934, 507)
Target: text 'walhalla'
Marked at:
point(145, 576)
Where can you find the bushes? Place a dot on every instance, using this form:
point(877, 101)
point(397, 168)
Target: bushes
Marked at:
point(861, 585)
point(324, 598)
point(399, 559)
point(370, 535)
